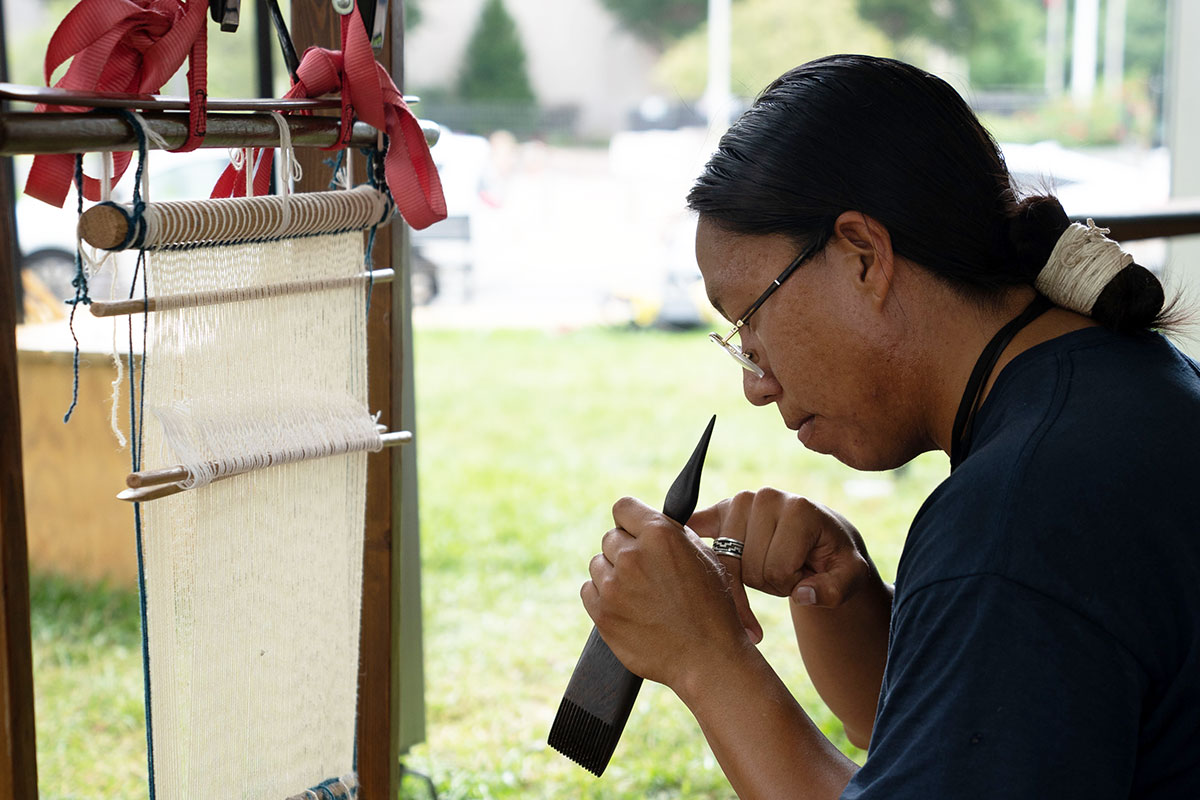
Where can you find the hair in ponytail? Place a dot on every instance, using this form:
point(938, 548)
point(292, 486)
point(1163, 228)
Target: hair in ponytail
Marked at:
point(1132, 300)
point(861, 133)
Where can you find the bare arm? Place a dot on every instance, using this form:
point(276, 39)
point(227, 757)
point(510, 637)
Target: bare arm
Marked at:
point(765, 743)
point(845, 650)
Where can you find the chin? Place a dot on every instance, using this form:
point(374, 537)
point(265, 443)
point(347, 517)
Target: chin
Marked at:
point(867, 459)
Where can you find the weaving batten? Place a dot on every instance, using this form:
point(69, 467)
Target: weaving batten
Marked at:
point(253, 581)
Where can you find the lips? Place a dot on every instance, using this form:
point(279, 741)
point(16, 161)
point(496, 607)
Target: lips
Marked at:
point(804, 429)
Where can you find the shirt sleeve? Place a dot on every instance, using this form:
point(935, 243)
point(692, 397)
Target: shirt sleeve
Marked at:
point(994, 690)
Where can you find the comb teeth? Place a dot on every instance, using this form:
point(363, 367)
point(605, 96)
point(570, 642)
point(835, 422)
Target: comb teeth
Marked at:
point(583, 737)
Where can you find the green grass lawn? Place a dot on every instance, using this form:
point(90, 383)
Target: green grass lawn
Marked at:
point(525, 440)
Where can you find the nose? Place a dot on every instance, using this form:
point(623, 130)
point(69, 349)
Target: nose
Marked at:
point(761, 391)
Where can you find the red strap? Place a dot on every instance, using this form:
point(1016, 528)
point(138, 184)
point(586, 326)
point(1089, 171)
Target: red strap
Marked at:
point(130, 46)
point(367, 89)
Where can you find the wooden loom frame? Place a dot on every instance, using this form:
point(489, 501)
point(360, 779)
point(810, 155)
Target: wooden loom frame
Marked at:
point(391, 678)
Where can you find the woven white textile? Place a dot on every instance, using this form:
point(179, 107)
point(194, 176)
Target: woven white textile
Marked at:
point(253, 581)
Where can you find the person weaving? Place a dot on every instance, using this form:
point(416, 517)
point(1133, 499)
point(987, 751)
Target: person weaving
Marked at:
point(893, 295)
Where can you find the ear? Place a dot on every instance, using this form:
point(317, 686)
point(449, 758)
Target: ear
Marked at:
point(865, 246)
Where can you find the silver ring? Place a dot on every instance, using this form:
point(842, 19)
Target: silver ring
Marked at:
point(725, 546)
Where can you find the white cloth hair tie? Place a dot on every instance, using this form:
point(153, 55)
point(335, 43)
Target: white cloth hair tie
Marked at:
point(1081, 264)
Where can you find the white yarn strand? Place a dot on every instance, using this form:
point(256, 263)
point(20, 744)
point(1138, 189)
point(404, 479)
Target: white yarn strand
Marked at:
point(152, 140)
point(1082, 263)
point(287, 157)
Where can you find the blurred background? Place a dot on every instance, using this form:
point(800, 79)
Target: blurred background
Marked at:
point(561, 358)
point(572, 129)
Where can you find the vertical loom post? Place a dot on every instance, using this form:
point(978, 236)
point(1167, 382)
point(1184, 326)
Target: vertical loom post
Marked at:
point(18, 744)
point(18, 751)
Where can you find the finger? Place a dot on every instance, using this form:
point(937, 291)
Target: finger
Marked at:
point(590, 596)
point(599, 569)
point(758, 519)
point(636, 517)
point(707, 521)
point(789, 551)
point(612, 542)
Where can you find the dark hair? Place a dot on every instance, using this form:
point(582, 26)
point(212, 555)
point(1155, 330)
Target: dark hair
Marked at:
point(861, 133)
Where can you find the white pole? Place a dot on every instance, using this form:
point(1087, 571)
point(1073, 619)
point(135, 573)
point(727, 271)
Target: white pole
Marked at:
point(1114, 48)
point(717, 100)
point(1083, 53)
point(1056, 46)
point(1182, 118)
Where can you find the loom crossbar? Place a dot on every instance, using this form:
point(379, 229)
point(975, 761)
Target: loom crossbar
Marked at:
point(168, 302)
point(112, 226)
point(106, 131)
point(155, 483)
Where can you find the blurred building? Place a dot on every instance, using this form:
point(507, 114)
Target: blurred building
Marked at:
point(588, 72)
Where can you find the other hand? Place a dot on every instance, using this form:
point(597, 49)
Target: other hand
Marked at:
point(793, 547)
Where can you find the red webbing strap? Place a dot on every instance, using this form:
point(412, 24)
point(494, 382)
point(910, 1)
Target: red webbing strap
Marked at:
point(130, 46)
point(367, 89)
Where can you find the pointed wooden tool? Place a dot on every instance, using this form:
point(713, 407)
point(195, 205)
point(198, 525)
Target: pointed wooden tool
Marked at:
point(601, 691)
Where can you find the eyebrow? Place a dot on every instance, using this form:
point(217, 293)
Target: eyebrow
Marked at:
point(716, 303)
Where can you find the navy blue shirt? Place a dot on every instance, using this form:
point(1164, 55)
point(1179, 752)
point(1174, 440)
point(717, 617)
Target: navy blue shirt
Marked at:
point(1045, 637)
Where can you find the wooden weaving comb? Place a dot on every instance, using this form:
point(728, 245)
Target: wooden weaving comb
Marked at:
point(601, 691)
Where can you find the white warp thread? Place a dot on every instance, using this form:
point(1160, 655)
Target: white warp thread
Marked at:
point(1081, 264)
point(253, 583)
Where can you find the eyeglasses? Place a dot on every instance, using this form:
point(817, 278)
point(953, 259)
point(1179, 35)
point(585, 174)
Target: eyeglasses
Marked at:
point(727, 345)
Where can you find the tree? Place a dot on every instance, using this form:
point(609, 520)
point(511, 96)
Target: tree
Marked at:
point(412, 15)
point(770, 37)
point(1000, 39)
point(659, 22)
point(494, 68)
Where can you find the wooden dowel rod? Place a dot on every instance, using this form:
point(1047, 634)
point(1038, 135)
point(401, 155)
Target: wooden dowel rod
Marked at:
point(233, 220)
point(155, 477)
point(53, 96)
point(116, 308)
point(167, 479)
point(36, 133)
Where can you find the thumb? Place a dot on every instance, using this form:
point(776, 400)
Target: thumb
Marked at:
point(826, 589)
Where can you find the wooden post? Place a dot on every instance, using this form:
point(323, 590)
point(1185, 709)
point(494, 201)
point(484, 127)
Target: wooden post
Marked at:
point(18, 748)
point(18, 753)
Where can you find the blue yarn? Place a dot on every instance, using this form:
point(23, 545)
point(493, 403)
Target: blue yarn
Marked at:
point(137, 396)
point(375, 177)
point(137, 399)
point(335, 163)
point(81, 294)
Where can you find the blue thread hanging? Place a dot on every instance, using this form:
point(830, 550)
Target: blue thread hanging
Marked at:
point(376, 177)
point(335, 163)
point(137, 395)
point(80, 282)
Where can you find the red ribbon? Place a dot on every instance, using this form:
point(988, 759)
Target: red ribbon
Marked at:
point(368, 91)
point(129, 46)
